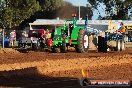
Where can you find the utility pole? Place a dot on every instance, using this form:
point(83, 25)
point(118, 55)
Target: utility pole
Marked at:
point(79, 8)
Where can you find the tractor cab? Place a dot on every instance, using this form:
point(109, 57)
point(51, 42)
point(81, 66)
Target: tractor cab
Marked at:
point(70, 28)
point(70, 25)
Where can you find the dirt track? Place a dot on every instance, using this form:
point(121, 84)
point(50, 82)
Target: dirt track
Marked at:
point(111, 65)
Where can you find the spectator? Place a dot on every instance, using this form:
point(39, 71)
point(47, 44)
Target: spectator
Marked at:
point(12, 37)
point(48, 34)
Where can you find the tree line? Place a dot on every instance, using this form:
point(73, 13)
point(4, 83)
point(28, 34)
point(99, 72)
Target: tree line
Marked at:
point(114, 9)
point(20, 12)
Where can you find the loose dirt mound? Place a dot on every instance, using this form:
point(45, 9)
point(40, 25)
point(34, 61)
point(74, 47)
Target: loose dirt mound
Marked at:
point(8, 50)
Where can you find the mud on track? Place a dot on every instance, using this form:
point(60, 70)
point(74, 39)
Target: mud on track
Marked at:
point(61, 70)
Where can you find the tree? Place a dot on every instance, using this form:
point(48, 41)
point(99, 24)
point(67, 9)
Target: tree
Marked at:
point(49, 8)
point(50, 5)
point(15, 11)
point(115, 9)
point(48, 11)
point(1, 9)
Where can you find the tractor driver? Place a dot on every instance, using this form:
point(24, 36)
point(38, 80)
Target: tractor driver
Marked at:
point(70, 27)
point(122, 28)
point(46, 34)
point(43, 36)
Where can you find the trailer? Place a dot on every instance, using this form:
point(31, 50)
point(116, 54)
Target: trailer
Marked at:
point(38, 38)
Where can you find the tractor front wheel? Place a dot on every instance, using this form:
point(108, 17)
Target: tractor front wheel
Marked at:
point(83, 41)
point(34, 46)
point(55, 50)
point(63, 47)
point(118, 46)
point(21, 45)
point(122, 45)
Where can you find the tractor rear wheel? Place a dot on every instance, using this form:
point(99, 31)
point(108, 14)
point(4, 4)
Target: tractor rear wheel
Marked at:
point(55, 50)
point(83, 41)
point(20, 45)
point(102, 44)
point(63, 48)
point(34, 46)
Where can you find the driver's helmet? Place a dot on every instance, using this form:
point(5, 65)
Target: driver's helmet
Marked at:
point(121, 23)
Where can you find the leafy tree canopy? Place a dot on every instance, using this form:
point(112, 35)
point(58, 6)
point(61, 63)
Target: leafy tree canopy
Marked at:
point(50, 5)
point(115, 9)
point(15, 11)
point(21, 12)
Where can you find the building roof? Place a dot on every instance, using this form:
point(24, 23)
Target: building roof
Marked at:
point(81, 22)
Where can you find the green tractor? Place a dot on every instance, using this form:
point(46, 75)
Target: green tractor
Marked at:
point(72, 35)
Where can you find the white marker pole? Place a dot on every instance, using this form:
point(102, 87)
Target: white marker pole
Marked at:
point(79, 8)
point(3, 37)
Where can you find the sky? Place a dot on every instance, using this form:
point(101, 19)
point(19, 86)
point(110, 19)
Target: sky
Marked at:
point(83, 3)
point(77, 2)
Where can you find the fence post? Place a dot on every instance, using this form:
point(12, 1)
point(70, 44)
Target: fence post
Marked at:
point(3, 38)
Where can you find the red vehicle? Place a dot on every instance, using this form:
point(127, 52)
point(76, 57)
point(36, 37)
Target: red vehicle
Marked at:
point(36, 39)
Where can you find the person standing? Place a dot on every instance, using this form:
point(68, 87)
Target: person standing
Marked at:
point(122, 28)
point(12, 37)
point(48, 34)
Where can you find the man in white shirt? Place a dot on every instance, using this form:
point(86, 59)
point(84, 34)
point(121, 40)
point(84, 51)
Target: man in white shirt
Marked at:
point(12, 37)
